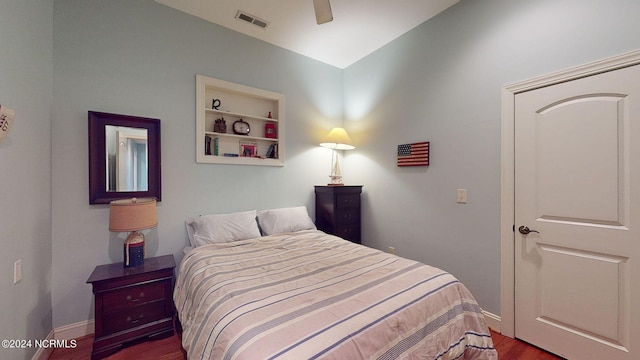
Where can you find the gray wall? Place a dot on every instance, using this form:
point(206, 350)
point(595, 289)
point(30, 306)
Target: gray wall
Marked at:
point(140, 58)
point(25, 171)
point(441, 83)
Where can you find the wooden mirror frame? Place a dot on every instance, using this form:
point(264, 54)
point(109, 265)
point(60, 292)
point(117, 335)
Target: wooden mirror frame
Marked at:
point(98, 193)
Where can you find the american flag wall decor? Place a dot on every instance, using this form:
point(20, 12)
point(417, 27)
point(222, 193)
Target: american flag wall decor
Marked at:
point(416, 154)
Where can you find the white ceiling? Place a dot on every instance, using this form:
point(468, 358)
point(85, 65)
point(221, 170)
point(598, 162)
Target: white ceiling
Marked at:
point(359, 27)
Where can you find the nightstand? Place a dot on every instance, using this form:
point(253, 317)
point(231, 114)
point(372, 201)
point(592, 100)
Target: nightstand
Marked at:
point(338, 211)
point(132, 304)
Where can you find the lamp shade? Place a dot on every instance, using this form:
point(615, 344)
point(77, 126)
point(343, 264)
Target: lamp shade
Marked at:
point(132, 215)
point(338, 139)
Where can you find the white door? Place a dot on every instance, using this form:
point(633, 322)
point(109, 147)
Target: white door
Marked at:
point(577, 189)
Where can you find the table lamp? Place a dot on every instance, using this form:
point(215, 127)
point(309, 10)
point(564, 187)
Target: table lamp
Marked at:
point(133, 215)
point(337, 139)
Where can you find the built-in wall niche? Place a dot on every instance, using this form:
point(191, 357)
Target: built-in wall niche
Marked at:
point(238, 124)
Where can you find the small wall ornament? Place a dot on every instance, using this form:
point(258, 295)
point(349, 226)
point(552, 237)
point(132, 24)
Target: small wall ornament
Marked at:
point(7, 116)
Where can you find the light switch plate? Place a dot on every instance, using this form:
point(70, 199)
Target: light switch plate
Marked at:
point(17, 271)
point(461, 196)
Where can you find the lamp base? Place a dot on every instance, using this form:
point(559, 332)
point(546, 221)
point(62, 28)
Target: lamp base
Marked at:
point(134, 250)
point(336, 180)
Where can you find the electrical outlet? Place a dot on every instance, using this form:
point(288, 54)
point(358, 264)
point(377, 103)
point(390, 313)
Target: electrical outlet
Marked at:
point(17, 271)
point(461, 196)
point(392, 250)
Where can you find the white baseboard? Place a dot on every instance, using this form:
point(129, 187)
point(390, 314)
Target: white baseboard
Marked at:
point(493, 321)
point(74, 331)
point(66, 332)
point(44, 353)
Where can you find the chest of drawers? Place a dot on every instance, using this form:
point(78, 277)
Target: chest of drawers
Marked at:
point(338, 211)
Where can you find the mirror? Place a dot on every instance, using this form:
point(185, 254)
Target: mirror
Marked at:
point(127, 159)
point(124, 157)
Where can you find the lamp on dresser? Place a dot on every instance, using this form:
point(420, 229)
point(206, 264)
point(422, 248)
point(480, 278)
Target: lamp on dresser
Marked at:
point(337, 139)
point(133, 215)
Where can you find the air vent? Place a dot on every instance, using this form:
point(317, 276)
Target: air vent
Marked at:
point(241, 15)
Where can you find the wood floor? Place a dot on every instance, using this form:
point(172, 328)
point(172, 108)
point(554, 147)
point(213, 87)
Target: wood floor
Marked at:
point(511, 349)
point(170, 349)
point(166, 349)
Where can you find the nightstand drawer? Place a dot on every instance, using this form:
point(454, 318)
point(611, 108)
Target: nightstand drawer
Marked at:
point(135, 295)
point(136, 316)
point(345, 201)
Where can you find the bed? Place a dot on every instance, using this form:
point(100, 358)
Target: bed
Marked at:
point(294, 292)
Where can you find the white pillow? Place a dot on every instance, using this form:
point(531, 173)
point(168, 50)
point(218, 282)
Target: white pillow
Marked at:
point(276, 221)
point(221, 228)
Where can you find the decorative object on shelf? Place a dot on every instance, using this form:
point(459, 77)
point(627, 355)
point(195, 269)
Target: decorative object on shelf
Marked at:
point(270, 130)
point(220, 125)
point(215, 104)
point(7, 116)
point(416, 154)
point(241, 127)
point(337, 139)
point(133, 215)
point(248, 149)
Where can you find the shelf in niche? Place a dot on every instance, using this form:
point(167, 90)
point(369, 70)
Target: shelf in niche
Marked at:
point(220, 159)
point(239, 115)
point(241, 137)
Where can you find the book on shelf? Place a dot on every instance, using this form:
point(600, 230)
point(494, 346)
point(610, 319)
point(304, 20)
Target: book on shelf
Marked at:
point(211, 150)
point(272, 151)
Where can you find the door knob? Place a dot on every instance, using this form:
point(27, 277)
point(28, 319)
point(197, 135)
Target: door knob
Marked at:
point(524, 230)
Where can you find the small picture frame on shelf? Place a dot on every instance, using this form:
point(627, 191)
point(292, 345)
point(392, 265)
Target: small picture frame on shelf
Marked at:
point(270, 130)
point(248, 149)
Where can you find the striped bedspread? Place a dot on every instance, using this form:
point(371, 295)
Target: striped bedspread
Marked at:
point(309, 295)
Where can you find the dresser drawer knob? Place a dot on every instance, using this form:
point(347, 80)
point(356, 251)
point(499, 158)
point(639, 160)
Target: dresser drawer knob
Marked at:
point(130, 320)
point(131, 299)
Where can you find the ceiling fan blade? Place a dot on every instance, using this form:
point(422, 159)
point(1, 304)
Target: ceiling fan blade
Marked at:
point(323, 11)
